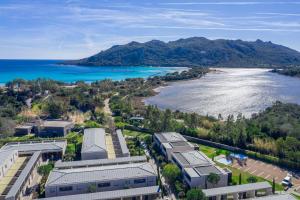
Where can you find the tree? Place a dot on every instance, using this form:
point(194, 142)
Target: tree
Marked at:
point(252, 179)
point(195, 194)
point(54, 109)
point(213, 178)
point(171, 172)
point(240, 179)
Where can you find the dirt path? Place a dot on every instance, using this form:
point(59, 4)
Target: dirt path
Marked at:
point(106, 107)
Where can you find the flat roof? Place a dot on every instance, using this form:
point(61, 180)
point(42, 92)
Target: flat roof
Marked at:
point(110, 194)
point(192, 158)
point(100, 162)
point(5, 154)
point(18, 185)
point(236, 189)
point(170, 137)
point(93, 140)
point(122, 142)
point(33, 146)
point(56, 123)
point(276, 197)
point(98, 174)
point(23, 127)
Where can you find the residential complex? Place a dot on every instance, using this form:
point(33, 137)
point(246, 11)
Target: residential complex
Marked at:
point(50, 149)
point(170, 142)
point(196, 167)
point(94, 144)
point(101, 178)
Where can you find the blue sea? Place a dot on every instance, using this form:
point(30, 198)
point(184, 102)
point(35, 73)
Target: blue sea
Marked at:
point(51, 69)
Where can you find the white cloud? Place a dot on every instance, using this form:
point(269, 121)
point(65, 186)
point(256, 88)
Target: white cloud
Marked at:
point(232, 3)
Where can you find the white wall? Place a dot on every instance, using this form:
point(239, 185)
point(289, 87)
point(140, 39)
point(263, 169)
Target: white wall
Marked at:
point(8, 163)
point(52, 191)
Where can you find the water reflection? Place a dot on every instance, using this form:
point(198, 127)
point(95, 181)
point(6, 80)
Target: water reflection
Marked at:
point(229, 91)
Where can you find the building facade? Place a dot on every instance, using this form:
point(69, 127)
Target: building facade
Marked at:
point(63, 182)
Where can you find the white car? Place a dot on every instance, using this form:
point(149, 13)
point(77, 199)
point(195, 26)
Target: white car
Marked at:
point(287, 181)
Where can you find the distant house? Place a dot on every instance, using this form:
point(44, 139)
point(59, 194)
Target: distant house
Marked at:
point(55, 128)
point(22, 130)
point(94, 144)
point(169, 142)
point(196, 167)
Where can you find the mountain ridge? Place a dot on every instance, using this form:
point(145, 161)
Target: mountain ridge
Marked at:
point(195, 52)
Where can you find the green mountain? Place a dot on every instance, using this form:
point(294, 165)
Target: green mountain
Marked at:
point(194, 52)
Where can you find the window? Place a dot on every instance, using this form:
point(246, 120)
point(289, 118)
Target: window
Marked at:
point(101, 185)
point(64, 189)
point(138, 181)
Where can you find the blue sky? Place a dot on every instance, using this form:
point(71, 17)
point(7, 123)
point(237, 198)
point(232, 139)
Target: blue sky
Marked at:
point(71, 29)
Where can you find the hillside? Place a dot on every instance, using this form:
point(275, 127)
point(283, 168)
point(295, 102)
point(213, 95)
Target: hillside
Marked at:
point(194, 52)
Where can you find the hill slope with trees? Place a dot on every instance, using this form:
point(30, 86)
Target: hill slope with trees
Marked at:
point(194, 52)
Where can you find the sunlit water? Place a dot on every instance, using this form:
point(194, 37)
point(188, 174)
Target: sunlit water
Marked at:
point(230, 91)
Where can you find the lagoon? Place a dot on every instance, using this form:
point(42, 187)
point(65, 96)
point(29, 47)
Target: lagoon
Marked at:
point(229, 91)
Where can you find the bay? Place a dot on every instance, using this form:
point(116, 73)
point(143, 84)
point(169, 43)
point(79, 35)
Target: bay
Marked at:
point(229, 91)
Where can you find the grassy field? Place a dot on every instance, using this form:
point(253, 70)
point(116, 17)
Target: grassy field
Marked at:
point(140, 135)
point(211, 152)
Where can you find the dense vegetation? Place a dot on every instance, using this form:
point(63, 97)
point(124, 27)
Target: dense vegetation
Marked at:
point(195, 51)
point(290, 71)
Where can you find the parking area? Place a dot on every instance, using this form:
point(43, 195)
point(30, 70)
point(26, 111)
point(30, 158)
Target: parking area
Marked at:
point(265, 170)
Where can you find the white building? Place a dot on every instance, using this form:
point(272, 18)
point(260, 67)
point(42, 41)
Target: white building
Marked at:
point(142, 193)
point(170, 142)
point(50, 149)
point(99, 179)
point(7, 159)
point(94, 144)
point(196, 167)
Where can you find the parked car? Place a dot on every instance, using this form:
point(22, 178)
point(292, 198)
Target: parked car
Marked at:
point(287, 181)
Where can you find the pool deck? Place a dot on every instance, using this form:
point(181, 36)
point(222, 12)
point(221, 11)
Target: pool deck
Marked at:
point(11, 173)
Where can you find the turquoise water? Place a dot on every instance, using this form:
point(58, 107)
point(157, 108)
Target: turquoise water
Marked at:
point(32, 69)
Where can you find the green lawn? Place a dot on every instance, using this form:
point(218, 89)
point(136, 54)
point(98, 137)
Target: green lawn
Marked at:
point(140, 135)
point(297, 197)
